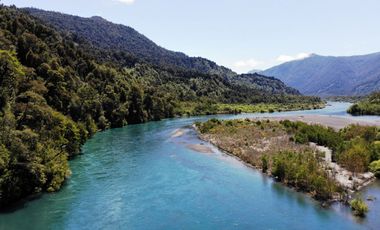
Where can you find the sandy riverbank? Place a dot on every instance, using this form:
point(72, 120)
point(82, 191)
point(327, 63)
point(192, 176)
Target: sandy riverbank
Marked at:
point(335, 122)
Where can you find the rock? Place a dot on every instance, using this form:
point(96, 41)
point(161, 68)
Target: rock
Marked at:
point(371, 198)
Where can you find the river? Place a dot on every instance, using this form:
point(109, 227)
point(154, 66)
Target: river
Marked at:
point(140, 177)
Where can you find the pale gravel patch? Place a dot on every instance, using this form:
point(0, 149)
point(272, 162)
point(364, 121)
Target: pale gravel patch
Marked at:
point(335, 122)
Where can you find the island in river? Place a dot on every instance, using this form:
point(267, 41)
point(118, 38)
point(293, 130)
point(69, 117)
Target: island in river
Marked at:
point(326, 156)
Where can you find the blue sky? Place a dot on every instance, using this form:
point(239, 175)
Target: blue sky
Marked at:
point(241, 34)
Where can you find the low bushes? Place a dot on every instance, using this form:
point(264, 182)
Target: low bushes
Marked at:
point(374, 167)
point(305, 133)
point(359, 207)
point(302, 171)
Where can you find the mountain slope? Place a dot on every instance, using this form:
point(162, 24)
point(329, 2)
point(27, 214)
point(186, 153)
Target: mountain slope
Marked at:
point(102, 33)
point(107, 37)
point(331, 76)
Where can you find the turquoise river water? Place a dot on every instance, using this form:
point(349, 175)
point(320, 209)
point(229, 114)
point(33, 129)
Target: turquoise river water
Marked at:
point(140, 177)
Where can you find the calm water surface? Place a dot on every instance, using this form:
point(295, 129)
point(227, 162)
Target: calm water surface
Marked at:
point(140, 177)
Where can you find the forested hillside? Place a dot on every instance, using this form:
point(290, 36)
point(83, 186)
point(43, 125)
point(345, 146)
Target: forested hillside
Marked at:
point(107, 35)
point(55, 93)
point(103, 38)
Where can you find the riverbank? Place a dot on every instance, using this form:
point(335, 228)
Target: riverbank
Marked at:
point(194, 108)
point(259, 141)
point(335, 122)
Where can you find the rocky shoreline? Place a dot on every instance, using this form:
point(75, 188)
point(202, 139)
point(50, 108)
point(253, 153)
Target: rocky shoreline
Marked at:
point(351, 182)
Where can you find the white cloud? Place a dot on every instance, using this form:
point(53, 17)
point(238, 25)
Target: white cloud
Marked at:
point(250, 63)
point(128, 2)
point(244, 66)
point(287, 58)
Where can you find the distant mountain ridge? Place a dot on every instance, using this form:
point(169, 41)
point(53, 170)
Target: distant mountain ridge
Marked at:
point(331, 76)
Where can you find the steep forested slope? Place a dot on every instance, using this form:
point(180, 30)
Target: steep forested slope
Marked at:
point(55, 93)
point(102, 33)
point(331, 76)
point(105, 36)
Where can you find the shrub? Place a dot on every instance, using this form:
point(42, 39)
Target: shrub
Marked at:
point(356, 156)
point(374, 167)
point(208, 125)
point(359, 207)
point(264, 163)
point(304, 133)
point(375, 147)
point(303, 171)
point(367, 132)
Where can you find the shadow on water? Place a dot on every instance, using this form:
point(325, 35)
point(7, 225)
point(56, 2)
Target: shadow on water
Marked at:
point(20, 204)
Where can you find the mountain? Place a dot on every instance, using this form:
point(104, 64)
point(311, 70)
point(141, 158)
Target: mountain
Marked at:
point(331, 76)
point(104, 34)
point(106, 37)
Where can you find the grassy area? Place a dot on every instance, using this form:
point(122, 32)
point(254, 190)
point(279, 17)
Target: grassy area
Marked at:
point(208, 108)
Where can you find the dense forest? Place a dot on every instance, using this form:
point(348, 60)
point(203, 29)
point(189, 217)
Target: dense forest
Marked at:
point(106, 36)
point(109, 36)
point(56, 92)
point(367, 106)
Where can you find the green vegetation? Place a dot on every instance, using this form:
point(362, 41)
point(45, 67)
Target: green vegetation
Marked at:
point(359, 207)
point(304, 133)
point(355, 147)
point(282, 150)
point(269, 107)
point(359, 147)
point(303, 171)
point(57, 91)
point(207, 107)
point(352, 99)
point(374, 167)
point(367, 106)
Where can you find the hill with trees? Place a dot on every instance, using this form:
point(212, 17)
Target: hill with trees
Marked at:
point(107, 35)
